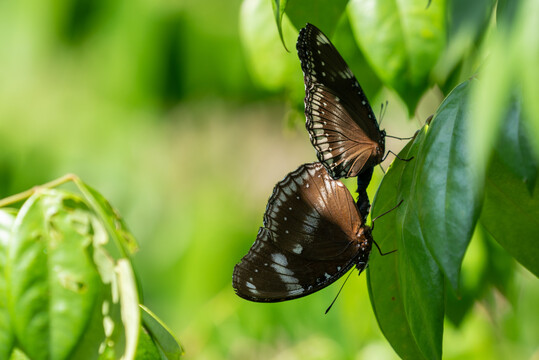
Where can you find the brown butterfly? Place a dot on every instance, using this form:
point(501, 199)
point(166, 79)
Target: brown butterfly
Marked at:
point(341, 124)
point(312, 234)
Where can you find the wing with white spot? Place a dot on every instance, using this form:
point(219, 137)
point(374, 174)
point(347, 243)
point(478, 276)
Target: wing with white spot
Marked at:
point(308, 241)
point(341, 124)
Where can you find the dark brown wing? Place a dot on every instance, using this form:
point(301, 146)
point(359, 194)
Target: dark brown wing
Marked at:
point(341, 124)
point(309, 239)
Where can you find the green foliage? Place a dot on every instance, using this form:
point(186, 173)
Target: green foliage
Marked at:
point(402, 41)
point(64, 296)
point(152, 102)
point(475, 163)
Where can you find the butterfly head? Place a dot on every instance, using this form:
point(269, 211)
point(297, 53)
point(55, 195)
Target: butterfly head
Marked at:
point(364, 237)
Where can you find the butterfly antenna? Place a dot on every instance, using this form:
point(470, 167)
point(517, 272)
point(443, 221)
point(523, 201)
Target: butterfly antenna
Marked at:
point(399, 138)
point(387, 212)
point(380, 250)
point(397, 156)
point(336, 296)
point(383, 110)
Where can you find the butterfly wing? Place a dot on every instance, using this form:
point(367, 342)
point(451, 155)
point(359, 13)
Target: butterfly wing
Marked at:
point(310, 238)
point(341, 124)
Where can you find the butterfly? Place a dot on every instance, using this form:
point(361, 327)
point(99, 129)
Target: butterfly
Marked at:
point(312, 234)
point(341, 124)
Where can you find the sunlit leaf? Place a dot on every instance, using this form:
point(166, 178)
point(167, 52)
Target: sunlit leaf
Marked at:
point(270, 66)
point(53, 283)
point(161, 334)
point(402, 41)
point(7, 217)
point(130, 308)
point(346, 44)
point(110, 217)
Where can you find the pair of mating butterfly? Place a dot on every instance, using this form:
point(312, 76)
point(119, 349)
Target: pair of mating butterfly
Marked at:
point(313, 231)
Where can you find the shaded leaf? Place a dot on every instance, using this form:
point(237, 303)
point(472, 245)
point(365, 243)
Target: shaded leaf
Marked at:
point(7, 217)
point(161, 334)
point(278, 11)
point(514, 148)
point(444, 187)
point(146, 347)
point(467, 22)
point(406, 288)
point(322, 13)
point(526, 56)
point(402, 41)
point(511, 213)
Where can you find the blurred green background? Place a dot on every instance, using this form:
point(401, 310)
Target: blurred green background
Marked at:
point(155, 104)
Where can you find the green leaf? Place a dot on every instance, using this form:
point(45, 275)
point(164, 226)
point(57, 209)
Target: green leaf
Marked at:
point(161, 334)
point(526, 55)
point(466, 24)
point(406, 288)
point(7, 217)
point(278, 11)
point(383, 279)
point(269, 64)
point(443, 186)
point(345, 43)
point(402, 41)
point(53, 283)
point(323, 14)
point(514, 148)
point(111, 218)
point(146, 347)
point(510, 211)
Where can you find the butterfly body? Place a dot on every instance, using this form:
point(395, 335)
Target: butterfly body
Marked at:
point(313, 234)
point(341, 124)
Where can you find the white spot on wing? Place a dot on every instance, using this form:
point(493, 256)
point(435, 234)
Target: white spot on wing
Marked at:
point(297, 249)
point(279, 259)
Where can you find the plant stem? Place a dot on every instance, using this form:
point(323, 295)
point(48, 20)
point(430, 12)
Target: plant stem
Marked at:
point(26, 194)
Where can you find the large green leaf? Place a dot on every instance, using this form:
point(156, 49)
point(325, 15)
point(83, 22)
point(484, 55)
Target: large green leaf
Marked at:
point(7, 217)
point(53, 283)
point(510, 210)
point(406, 288)
point(322, 13)
point(402, 41)
point(383, 273)
point(444, 189)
